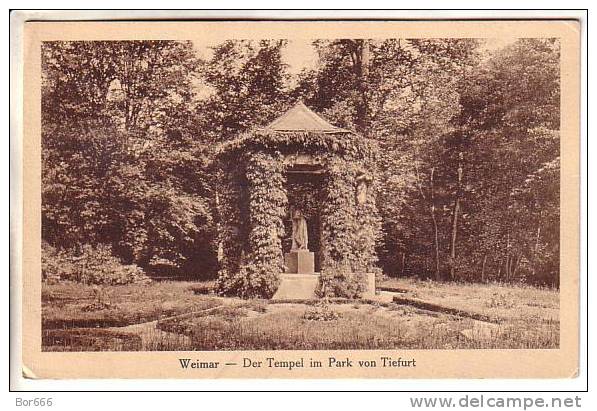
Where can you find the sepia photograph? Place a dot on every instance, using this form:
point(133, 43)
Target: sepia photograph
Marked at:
point(221, 194)
point(322, 194)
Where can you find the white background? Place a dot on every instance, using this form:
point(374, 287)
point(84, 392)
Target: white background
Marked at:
point(299, 401)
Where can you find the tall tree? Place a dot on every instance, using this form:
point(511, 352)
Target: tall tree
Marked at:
point(511, 108)
point(247, 80)
point(410, 102)
point(113, 113)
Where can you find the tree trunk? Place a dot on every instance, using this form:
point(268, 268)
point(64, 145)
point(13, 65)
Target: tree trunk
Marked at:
point(220, 252)
point(483, 268)
point(435, 231)
point(536, 251)
point(455, 219)
point(403, 264)
point(507, 262)
point(515, 265)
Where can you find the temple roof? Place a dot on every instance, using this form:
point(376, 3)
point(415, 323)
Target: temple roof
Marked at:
point(298, 130)
point(301, 118)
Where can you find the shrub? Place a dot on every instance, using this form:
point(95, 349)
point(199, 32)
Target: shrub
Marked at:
point(320, 312)
point(203, 289)
point(338, 280)
point(92, 265)
point(251, 281)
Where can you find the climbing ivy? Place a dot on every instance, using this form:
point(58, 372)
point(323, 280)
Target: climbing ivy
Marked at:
point(232, 205)
point(350, 231)
point(368, 226)
point(343, 143)
point(257, 203)
point(258, 274)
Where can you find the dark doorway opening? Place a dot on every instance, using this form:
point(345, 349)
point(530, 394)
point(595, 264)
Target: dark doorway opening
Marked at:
point(304, 191)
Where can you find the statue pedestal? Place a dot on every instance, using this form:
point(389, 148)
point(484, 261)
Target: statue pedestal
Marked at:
point(297, 287)
point(300, 262)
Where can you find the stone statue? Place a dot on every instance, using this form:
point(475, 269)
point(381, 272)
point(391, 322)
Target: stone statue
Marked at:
point(362, 189)
point(361, 192)
point(299, 231)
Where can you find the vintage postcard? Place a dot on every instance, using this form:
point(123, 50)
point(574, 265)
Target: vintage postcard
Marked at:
point(300, 199)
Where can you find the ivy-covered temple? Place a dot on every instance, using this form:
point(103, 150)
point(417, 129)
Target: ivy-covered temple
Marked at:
point(297, 210)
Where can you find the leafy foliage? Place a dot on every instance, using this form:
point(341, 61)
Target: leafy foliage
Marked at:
point(440, 108)
point(94, 265)
point(122, 166)
point(461, 156)
point(349, 230)
point(258, 273)
point(246, 80)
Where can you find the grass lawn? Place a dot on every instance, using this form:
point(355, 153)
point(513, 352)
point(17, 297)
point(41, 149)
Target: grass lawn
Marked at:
point(70, 305)
point(506, 301)
point(358, 326)
point(171, 316)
